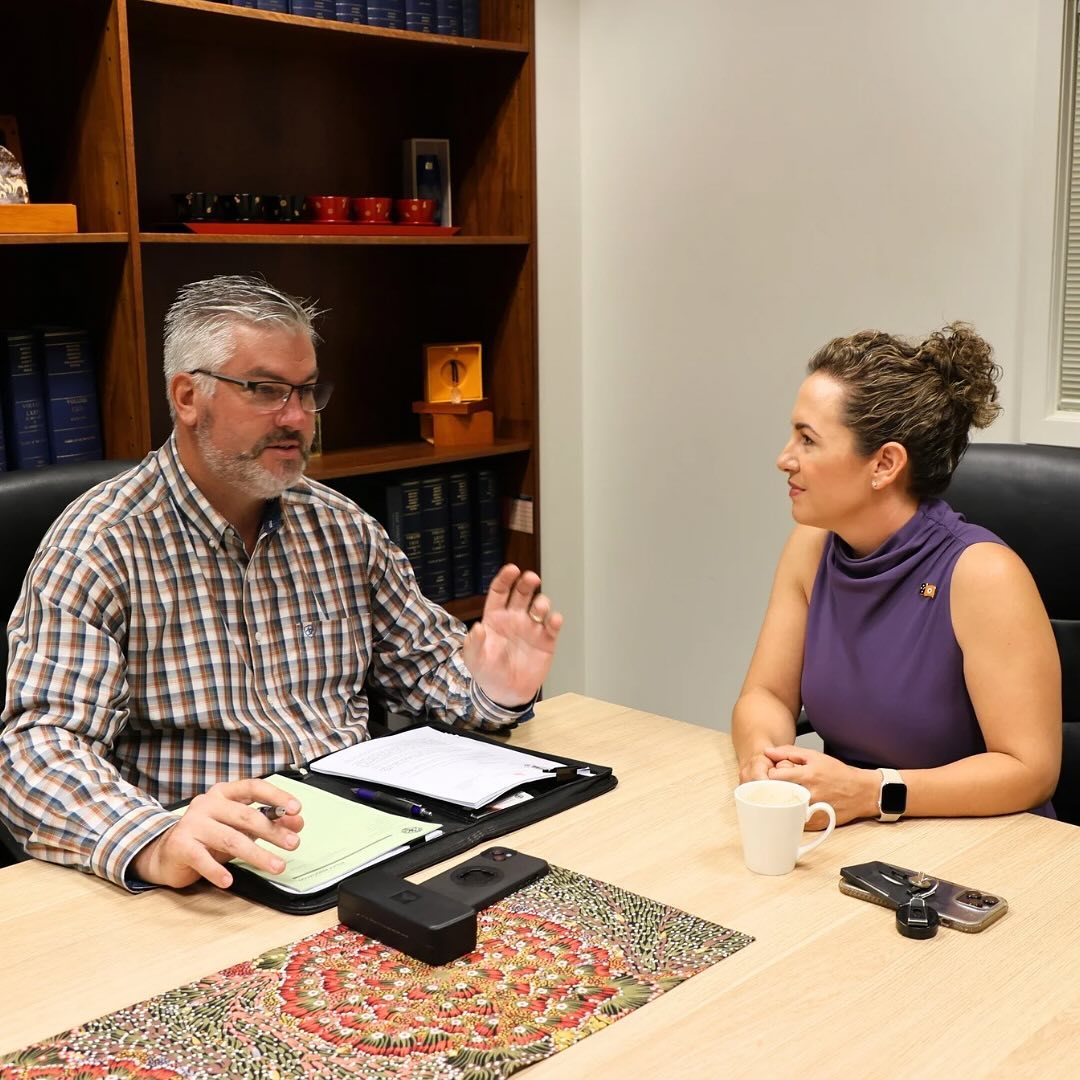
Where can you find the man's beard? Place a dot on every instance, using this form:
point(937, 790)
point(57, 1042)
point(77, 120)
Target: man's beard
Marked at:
point(245, 471)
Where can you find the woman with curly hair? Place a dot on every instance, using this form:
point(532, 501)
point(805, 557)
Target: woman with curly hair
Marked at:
point(916, 641)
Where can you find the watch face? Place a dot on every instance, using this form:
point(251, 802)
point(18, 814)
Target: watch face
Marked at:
point(893, 798)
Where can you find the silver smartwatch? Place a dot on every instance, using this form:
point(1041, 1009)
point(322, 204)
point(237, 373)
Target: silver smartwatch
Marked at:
point(892, 799)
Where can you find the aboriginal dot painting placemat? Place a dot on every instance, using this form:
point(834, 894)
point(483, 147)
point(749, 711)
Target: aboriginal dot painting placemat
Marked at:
point(555, 962)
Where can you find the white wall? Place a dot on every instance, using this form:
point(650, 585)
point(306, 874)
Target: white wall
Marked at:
point(562, 477)
point(756, 177)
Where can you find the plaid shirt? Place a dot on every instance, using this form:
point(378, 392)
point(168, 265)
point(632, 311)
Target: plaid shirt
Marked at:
point(151, 658)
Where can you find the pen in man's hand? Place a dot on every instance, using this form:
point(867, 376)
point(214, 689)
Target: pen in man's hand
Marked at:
point(273, 812)
point(391, 802)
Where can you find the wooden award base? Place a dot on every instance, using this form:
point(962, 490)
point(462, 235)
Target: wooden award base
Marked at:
point(464, 423)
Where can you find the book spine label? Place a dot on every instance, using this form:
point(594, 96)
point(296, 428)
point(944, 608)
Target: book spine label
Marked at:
point(420, 16)
point(350, 11)
point(448, 17)
point(411, 530)
point(24, 397)
point(462, 555)
point(388, 14)
point(488, 526)
point(435, 541)
point(71, 404)
point(313, 9)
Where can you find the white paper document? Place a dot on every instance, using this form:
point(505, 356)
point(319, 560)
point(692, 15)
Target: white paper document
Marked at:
point(438, 765)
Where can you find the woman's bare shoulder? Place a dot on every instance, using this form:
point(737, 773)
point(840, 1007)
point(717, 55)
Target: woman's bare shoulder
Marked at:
point(801, 556)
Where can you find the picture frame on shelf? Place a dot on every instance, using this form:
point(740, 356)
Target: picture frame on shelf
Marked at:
point(9, 138)
point(14, 190)
point(426, 175)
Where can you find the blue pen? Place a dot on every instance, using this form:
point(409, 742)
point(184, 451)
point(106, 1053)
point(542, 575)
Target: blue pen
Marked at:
point(391, 802)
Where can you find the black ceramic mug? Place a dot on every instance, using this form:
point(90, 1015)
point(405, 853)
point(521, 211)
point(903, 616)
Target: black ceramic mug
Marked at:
point(242, 207)
point(197, 206)
point(283, 208)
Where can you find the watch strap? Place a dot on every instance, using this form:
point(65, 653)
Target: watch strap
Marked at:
point(889, 776)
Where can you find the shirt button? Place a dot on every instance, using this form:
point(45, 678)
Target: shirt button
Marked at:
point(258, 636)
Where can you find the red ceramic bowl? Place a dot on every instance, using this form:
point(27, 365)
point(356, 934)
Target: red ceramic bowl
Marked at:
point(415, 211)
point(373, 209)
point(327, 207)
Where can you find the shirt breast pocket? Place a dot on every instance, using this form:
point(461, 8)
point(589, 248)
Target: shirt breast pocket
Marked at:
point(326, 656)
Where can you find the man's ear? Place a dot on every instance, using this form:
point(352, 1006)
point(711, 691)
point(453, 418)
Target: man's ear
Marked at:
point(889, 464)
point(182, 396)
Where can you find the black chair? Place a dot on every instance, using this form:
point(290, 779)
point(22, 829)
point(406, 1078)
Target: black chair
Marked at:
point(1030, 497)
point(30, 501)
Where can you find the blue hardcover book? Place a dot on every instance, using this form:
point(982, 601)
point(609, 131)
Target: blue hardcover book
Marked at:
point(470, 18)
point(71, 401)
point(351, 11)
point(23, 392)
point(463, 579)
point(389, 14)
point(403, 521)
point(488, 528)
point(420, 16)
point(3, 448)
point(448, 17)
point(313, 9)
point(243, 3)
point(280, 6)
point(435, 539)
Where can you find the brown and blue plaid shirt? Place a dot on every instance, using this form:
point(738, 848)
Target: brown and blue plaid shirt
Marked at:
point(150, 657)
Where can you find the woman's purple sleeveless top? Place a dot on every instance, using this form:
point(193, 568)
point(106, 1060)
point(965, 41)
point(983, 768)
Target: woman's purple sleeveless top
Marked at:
point(883, 675)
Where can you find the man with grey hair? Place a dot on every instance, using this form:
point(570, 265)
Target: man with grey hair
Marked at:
point(212, 616)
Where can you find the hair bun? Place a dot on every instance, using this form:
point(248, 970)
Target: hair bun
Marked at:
point(965, 362)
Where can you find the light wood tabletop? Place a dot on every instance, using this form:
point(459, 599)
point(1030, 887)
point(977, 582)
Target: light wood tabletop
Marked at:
point(828, 988)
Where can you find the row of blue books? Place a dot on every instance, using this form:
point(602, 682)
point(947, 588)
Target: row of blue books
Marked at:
point(49, 398)
point(457, 18)
point(450, 527)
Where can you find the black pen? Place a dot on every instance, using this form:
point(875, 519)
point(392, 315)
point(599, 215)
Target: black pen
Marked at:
point(391, 802)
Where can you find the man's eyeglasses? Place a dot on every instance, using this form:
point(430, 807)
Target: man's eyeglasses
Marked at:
point(268, 397)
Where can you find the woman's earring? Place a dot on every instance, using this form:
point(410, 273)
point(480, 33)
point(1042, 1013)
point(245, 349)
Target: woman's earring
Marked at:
point(873, 484)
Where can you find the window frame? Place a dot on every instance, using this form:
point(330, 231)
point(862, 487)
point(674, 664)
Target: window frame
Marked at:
point(1044, 245)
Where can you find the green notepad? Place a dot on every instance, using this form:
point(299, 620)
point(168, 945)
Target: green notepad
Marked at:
point(338, 839)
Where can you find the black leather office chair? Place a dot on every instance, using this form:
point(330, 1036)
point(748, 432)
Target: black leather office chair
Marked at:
point(30, 501)
point(1030, 496)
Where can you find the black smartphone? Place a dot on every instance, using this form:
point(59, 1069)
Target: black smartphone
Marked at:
point(959, 906)
point(486, 878)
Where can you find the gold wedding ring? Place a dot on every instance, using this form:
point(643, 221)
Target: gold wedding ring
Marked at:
point(537, 618)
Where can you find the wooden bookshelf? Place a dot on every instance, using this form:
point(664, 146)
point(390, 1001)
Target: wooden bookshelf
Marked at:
point(122, 103)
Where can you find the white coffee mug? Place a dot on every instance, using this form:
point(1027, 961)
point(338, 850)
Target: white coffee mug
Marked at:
point(772, 814)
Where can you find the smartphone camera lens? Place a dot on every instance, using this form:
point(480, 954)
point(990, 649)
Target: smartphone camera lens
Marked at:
point(500, 854)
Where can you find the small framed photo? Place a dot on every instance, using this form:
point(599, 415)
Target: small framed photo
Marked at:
point(426, 174)
point(9, 138)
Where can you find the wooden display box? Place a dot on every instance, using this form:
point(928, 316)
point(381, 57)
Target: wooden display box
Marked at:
point(466, 423)
point(38, 218)
point(456, 366)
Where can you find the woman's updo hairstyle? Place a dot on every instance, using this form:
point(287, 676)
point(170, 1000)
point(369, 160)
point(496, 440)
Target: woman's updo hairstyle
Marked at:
point(925, 396)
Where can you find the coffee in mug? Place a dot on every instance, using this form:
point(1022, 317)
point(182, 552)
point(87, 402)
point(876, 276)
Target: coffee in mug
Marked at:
point(772, 815)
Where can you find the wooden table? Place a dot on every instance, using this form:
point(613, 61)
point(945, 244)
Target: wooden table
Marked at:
point(828, 988)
